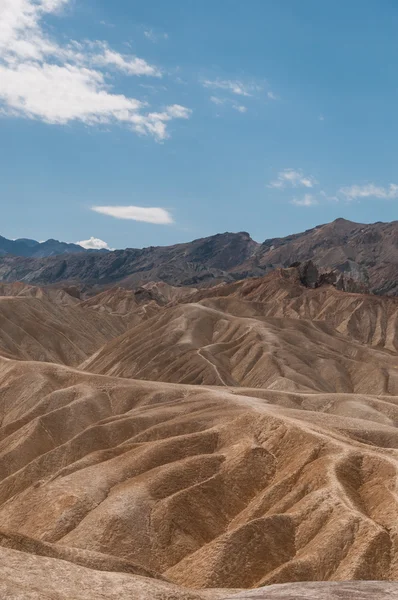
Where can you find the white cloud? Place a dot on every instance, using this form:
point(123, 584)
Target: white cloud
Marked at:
point(241, 109)
point(155, 123)
point(41, 79)
point(131, 65)
point(58, 94)
point(292, 178)
point(272, 96)
point(234, 86)
point(370, 190)
point(176, 111)
point(158, 216)
point(93, 244)
point(20, 34)
point(306, 201)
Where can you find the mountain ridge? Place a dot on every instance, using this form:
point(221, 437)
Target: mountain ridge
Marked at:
point(33, 249)
point(367, 253)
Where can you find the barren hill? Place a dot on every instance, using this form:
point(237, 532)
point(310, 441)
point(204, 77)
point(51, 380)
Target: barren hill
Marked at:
point(269, 333)
point(204, 487)
point(199, 444)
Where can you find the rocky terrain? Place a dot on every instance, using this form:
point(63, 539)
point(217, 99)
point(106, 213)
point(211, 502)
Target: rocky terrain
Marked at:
point(367, 253)
point(200, 443)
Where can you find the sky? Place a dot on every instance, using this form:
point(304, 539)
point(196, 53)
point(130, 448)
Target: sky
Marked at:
point(132, 123)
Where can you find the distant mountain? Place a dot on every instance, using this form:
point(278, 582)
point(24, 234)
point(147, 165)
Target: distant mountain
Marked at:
point(33, 249)
point(367, 253)
point(207, 260)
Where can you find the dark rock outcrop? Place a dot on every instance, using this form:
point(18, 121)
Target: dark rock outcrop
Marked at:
point(311, 277)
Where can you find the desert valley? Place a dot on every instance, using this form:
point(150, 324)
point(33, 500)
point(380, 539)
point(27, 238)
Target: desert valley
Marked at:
point(227, 438)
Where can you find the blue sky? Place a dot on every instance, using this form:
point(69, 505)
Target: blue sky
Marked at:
point(269, 116)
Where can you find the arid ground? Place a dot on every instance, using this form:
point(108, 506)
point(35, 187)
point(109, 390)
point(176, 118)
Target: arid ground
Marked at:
point(199, 444)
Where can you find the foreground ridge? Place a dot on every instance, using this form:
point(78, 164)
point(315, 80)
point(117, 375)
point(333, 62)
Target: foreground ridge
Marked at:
point(204, 486)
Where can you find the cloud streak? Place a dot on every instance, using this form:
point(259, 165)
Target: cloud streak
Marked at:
point(228, 102)
point(370, 190)
point(218, 101)
point(236, 87)
point(293, 178)
point(156, 216)
point(154, 37)
point(130, 65)
point(307, 201)
point(240, 108)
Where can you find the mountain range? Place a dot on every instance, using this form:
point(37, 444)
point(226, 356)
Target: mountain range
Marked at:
point(32, 248)
point(367, 253)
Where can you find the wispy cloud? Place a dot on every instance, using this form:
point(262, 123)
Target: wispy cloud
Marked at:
point(157, 216)
point(307, 201)
point(348, 193)
point(330, 198)
point(272, 96)
point(240, 108)
point(370, 190)
point(293, 178)
point(228, 102)
point(155, 37)
point(42, 79)
point(234, 86)
point(130, 65)
point(217, 100)
point(94, 244)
